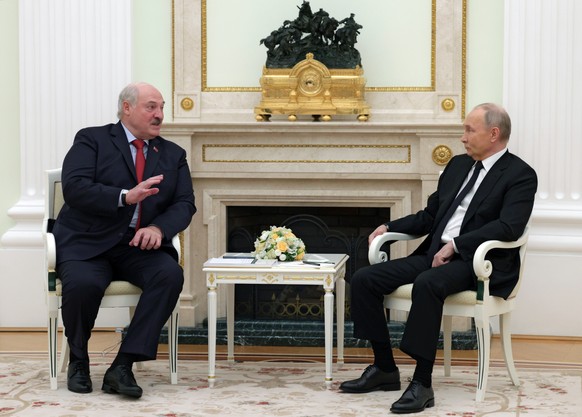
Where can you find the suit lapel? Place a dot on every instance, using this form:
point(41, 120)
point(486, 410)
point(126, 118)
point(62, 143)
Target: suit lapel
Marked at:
point(119, 140)
point(487, 185)
point(154, 151)
point(458, 178)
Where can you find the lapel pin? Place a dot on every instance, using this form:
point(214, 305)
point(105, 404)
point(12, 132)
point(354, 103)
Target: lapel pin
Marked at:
point(155, 149)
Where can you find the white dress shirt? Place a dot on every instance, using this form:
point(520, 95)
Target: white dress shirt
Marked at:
point(453, 227)
point(131, 138)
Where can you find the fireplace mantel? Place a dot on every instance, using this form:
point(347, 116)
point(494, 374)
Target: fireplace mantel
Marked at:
point(328, 164)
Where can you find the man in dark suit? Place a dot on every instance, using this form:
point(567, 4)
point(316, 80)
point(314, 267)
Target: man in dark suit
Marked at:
point(117, 221)
point(497, 205)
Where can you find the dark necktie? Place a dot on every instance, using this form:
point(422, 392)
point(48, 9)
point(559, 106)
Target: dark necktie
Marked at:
point(436, 238)
point(139, 168)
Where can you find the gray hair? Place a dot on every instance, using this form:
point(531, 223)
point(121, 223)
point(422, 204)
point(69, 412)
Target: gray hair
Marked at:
point(130, 94)
point(496, 116)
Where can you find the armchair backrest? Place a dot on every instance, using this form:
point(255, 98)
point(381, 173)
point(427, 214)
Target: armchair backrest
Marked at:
point(54, 198)
point(52, 205)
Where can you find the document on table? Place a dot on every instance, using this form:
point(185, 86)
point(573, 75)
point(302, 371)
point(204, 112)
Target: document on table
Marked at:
point(322, 263)
point(317, 260)
point(234, 262)
point(238, 255)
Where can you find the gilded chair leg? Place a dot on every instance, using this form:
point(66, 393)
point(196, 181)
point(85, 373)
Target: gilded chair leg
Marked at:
point(504, 320)
point(52, 346)
point(173, 345)
point(64, 359)
point(447, 343)
point(484, 345)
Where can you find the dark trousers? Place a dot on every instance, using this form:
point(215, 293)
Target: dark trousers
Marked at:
point(431, 287)
point(156, 272)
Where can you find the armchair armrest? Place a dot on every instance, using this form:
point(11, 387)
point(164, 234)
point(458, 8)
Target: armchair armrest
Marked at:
point(177, 242)
point(483, 267)
point(51, 261)
point(51, 256)
point(375, 255)
point(51, 251)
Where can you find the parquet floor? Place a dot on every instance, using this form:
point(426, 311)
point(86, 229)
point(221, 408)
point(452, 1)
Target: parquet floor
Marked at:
point(527, 351)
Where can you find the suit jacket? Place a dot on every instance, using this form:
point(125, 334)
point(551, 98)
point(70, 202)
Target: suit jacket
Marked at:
point(500, 210)
point(95, 170)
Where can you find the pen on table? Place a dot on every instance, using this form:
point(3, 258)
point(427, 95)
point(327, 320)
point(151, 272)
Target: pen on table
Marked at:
point(254, 260)
point(320, 263)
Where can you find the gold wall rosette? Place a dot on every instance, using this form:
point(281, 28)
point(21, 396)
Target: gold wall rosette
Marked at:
point(442, 154)
point(448, 104)
point(187, 103)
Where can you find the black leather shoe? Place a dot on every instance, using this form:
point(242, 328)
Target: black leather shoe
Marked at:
point(414, 400)
point(79, 378)
point(120, 380)
point(373, 379)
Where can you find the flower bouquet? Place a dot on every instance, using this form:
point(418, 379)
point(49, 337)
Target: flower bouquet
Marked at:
point(279, 243)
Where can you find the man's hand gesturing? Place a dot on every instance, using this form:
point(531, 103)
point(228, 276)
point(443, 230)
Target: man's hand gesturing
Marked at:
point(143, 190)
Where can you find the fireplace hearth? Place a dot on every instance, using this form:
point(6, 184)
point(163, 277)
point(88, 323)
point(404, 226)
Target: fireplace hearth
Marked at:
point(323, 230)
point(304, 333)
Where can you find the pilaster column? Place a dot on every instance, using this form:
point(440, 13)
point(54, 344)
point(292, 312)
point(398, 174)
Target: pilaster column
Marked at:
point(75, 56)
point(543, 95)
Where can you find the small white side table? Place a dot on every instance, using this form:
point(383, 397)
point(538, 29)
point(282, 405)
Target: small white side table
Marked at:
point(329, 276)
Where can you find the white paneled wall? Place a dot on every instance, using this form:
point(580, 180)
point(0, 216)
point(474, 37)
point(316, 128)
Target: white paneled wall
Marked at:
point(75, 56)
point(543, 95)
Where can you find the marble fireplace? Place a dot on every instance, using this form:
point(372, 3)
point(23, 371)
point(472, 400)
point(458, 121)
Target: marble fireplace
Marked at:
point(392, 161)
point(303, 164)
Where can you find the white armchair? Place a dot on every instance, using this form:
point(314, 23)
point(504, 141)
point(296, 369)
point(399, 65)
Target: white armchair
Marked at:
point(479, 305)
point(118, 294)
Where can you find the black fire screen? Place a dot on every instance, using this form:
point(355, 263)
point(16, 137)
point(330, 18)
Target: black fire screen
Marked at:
point(323, 230)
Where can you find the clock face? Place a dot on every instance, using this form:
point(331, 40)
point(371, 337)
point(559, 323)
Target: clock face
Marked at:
point(310, 83)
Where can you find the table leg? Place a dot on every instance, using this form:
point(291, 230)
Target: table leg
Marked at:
point(212, 306)
point(230, 322)
point(340, 294)
point(328, 313)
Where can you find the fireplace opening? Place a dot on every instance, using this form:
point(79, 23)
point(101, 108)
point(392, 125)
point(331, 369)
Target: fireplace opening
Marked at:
point(323, 230)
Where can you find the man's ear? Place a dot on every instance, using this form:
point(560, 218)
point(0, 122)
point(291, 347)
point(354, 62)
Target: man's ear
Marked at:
point(494, 134)
point(126, 107)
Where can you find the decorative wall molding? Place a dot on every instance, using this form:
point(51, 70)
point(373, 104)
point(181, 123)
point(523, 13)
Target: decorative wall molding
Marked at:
point(443, 100)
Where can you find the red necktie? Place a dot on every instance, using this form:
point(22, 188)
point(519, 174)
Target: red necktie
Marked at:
point(139, 168)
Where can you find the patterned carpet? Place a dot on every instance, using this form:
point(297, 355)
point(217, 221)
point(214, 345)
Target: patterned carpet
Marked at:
point(278, 389)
